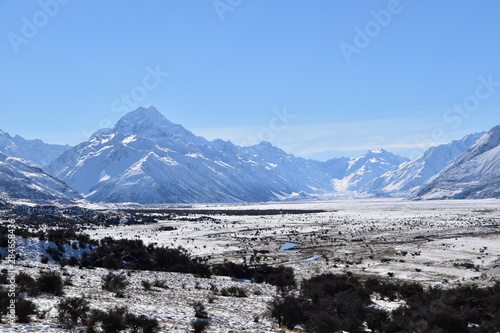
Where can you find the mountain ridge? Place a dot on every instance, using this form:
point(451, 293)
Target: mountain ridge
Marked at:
point(36, 151)
point(408, 177)
point(145, 158)
point(475, 175)
point(144, 152)
point(21, 179)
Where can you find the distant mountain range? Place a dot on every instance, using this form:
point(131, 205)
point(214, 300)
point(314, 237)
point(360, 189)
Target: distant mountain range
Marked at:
point(35, 151)
point(407, 178)
point(474, 175)
point(146, 159)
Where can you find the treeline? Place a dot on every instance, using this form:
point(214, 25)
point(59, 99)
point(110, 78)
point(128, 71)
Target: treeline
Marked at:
point(330, 303)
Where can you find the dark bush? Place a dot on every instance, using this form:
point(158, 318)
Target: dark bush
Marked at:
point(4, 275)
point(50, 282)
point(146, 284)
point(133, 254)
point(114, 282)
point(160, 284)
point(233, 291)
point(73, 310)
point(282, 277)
point(200, 325)
point(201, 321)
point(142, 323)
point(114, 320)
point(54, 252)
point(288, 311)
point(44, 260)
point(330, 303)
point(93, 319)
point(24, 309)
point(200, 311)
point(26, 284)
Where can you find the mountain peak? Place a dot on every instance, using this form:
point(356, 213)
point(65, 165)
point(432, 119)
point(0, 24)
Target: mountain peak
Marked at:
point(149, 122)
point(142, 114)
point(376, 151)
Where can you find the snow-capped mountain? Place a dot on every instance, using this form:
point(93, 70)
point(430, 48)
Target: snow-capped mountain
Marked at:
point(336, 167)
point(363, 169)
point(408, 177)
point(20, 179)
point(35, 151)
point(147, 159)
point(475, 175)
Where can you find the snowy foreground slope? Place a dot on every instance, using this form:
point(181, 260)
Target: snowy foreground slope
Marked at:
point(439, 243)
point(20, 179)
point(475, 175)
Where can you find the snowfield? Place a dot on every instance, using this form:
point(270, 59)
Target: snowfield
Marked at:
point(434, 242)
point(415, 240)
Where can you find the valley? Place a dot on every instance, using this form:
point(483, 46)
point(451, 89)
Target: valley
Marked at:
point(444, 244)
point(416, 240)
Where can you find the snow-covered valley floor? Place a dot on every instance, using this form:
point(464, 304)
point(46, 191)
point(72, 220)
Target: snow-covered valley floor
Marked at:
point(433, 242)
point(426, 241)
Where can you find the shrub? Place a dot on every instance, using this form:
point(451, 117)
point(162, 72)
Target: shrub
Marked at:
point(73, 261)
point(50, 282)
point(114, 283)
point(73, 310)
point(146, 284)
point(4, 302)
point(201, 321)
point(142, 323)
point(233, 291)
point(160, 283)
point(26, 284)
point(54, 253)
point(200, 311)
point(24, 309)
point(200, 325)
point(287, 311)
point(4, 277)
point(114, 320)
point(92, 319)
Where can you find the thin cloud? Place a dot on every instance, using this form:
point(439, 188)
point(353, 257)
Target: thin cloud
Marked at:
point(408, 137)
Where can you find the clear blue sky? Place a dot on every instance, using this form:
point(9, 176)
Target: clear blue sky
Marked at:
point(234, 65)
